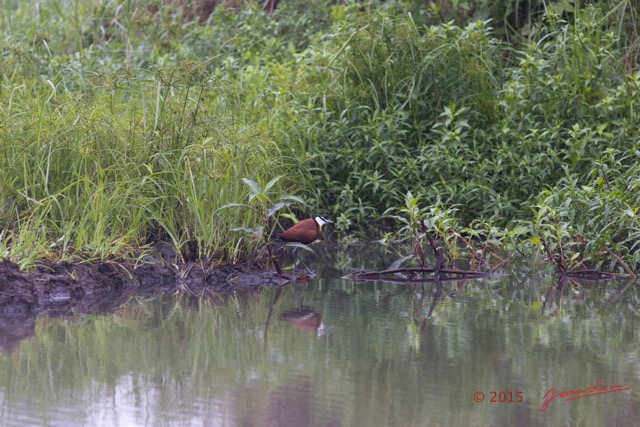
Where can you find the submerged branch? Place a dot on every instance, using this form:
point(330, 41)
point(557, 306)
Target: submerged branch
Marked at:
point(590, 275)
point(412, 272)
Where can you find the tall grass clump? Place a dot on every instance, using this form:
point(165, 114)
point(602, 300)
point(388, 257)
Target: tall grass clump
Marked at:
point(115, 136)
point(103, 178)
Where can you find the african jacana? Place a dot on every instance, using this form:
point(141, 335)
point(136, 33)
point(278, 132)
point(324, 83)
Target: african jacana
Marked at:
point(306, 231)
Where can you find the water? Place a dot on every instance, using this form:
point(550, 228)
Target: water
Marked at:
point(338, 353)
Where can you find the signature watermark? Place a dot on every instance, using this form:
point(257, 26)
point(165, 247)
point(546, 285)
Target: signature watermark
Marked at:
point(568, 395)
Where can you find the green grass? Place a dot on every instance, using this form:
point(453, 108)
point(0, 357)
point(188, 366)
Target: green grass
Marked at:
point(100, 158)
point(105, 176)
point(127, 122)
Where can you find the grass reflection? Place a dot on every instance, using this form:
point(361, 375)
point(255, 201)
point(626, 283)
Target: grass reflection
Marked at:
point(389, 355)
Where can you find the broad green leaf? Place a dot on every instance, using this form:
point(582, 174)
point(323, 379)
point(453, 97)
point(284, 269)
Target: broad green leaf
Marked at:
point(258, 231)
point(299, 245)
point(255, 187)
point(233, 205)
point(398, 263)
point(520, 229)
point(535, 240)
point(271, 183)
point(275, 208)
point(294, 198)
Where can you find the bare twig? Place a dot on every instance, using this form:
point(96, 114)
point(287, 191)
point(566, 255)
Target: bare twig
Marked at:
point(437, 250)
point(624, 265)
point(553, 259)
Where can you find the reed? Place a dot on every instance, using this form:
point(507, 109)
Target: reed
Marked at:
point(105, 176)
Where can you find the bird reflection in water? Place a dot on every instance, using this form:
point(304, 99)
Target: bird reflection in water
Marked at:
point(306, 319)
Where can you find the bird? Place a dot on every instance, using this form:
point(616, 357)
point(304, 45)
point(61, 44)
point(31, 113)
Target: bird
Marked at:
point(306, 231)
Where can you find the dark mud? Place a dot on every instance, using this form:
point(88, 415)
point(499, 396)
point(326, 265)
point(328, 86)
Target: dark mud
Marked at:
point(67, 289)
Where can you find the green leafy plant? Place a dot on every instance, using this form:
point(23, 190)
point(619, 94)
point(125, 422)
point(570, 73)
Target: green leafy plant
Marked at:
point(125, 123)
point(266, 209)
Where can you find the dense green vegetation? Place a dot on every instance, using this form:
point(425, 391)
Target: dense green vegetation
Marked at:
point(125, 122)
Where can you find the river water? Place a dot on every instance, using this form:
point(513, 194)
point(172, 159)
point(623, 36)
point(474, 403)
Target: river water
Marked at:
point(333, 352)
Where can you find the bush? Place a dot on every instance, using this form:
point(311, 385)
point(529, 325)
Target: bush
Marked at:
point(394, 119)
point(488, 136)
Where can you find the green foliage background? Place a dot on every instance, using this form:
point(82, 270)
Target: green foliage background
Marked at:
point(126, 122)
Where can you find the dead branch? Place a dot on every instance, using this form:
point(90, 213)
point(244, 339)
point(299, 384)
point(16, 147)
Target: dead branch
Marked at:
point(624, 265)
point(412, 272)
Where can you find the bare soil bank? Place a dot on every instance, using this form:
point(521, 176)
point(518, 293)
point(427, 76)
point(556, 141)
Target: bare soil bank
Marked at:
point(64, 289)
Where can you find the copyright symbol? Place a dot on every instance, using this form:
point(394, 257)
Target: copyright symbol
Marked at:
point(478, 396)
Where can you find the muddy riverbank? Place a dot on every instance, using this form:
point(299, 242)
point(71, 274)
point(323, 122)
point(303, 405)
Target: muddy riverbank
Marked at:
point(67, 289)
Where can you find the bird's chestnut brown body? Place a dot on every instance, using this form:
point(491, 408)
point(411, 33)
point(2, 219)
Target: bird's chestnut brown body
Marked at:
point(306, 231)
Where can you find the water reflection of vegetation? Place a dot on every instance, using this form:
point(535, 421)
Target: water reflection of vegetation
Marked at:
point(385, 352)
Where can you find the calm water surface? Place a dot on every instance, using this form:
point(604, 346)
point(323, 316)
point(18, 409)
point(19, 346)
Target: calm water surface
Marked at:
point(338, 353)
